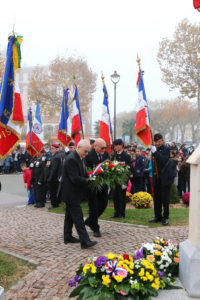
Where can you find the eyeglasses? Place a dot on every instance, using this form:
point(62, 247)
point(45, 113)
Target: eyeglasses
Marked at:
point(85, 151)
point(103, 148)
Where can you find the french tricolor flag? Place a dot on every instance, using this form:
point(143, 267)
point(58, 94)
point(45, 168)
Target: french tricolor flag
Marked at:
point(142, 126)
point(77, 125)
point(105, 131)
point(35, 134)
point(64, 134)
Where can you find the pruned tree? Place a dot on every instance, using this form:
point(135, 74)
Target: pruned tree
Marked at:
point(128, 128)
point(179, 60)
point(47, 83)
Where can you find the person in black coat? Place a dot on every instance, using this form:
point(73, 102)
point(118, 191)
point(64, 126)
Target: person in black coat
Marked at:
point(40, 180)
point(53, 175)
point(74, 183)
point(119, 194)
point(163, 176)
point(97, 200)
point(138, 171)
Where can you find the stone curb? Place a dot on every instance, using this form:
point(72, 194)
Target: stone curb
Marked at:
point(31, 261)
point(111, 222)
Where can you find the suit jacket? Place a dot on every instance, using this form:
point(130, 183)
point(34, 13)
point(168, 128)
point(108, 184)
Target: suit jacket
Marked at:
point(165, 167)
point(73, 179)
point(92, 159)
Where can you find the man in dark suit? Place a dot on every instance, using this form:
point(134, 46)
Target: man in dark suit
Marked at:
point(119, 194)
point(74, 182)
point(53, 175)
point(97, 200)
point(162, 185)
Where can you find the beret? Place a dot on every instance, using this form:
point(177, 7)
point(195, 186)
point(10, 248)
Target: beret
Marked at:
point(71, 144)
point(55, 146)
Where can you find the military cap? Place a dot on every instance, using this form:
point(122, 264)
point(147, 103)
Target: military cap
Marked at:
point(71, 144)
point(118, 142)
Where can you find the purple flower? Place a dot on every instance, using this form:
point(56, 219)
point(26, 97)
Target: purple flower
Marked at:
point(77, 278)
point(71, 282)
point(161, 274)
point(101, 260)
point(138, 255)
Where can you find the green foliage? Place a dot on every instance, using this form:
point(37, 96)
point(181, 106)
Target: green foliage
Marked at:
point(96, 128)
point(174, 198)
point(128, 128)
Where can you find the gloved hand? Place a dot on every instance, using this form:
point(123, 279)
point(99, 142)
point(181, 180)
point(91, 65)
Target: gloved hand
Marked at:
point(43, 158)
point(153, 149)
point(39, 183)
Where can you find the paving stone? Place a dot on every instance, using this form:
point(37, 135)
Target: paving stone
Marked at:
point(38, 235)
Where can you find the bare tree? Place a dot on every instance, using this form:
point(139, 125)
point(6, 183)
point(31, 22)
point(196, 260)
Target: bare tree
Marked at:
point(47, 83)
point(179, 60)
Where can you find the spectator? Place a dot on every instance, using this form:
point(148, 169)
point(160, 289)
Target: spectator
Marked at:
point(27, 183)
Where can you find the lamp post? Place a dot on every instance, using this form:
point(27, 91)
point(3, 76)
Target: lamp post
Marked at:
point(115, 79)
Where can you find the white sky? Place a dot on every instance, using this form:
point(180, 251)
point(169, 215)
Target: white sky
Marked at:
point(109, 33)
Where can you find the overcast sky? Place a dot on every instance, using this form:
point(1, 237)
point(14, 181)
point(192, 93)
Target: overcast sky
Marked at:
point(109, 33)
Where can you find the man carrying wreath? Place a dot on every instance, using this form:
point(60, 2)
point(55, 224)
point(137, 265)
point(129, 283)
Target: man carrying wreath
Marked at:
point(97, 200)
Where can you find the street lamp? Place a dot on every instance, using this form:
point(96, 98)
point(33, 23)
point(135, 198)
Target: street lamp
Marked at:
point(115, 79)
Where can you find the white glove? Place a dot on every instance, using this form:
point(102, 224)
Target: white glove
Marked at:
point(124, 186)
point(31, 165)
point(43, 158)
point(39, 183)
point(153, 149)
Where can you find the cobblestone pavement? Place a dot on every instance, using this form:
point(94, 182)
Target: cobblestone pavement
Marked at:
point(38, 235)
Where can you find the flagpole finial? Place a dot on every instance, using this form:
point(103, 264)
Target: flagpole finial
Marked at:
point(139, 62)
point(102, 77)
point(65, 84)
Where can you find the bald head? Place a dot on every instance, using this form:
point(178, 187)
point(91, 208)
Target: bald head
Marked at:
point(83, 148)
point(100, 146)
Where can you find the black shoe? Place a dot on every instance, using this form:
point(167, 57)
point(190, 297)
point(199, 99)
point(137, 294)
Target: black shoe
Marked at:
point(39, 205)
point(97, 234)
point(165, 222)
point(88, 244)
point(114, 216)
point(155, 220)
point(51, 207)
point(121, 217)
point(72, 240)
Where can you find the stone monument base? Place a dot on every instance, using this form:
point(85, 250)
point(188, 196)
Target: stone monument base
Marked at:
point(1, 293)
point(189, 268)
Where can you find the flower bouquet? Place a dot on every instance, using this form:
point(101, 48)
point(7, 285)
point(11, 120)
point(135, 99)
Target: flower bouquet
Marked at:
point(186, 198)
point(110, 173)
point(121, 276)
point(142, 200)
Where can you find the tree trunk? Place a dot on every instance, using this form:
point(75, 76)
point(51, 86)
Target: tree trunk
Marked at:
point(198, 124)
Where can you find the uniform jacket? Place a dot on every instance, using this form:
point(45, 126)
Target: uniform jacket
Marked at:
point(123, 157)
point(54, 167)
point(165, 166)
point(73, 179)
point(40, 171)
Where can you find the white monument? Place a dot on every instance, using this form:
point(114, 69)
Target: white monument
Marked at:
point(189, 266)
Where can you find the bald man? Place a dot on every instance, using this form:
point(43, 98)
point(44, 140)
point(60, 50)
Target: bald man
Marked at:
point(74, 182)
point(97, 200)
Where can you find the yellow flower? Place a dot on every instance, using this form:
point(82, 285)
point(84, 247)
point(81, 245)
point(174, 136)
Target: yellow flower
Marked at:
point(144, 278)
point(110, 256)
point(106, 280)
point(118, 278)
point(158, 253)
point(158, 246)
point(86, 268)
point(141, 272)
point(93, 269)
point(155, 286)
point(177, 254)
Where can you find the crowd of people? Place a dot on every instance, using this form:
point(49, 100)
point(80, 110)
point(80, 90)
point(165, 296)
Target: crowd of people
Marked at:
point(59, 173)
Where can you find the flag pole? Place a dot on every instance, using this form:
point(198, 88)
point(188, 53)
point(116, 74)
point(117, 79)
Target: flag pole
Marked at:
point(102, 78)
point(138, 60)
point(74, 77)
